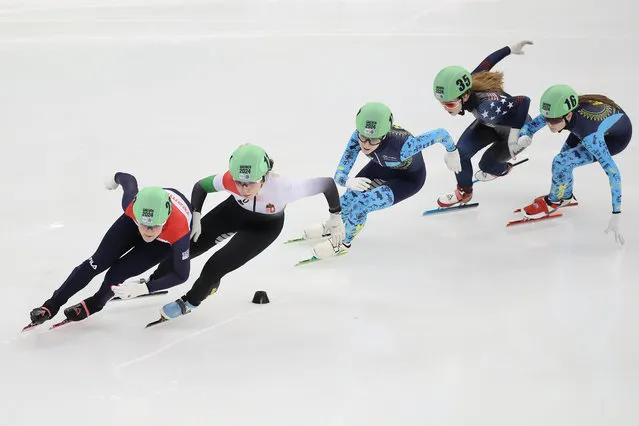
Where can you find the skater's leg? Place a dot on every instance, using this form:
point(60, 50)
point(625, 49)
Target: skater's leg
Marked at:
point(373, 171)
point(245, 245)
point(394, 190)
point(142, 258)
point(217, 225)
point(495, 159)
point(119, 239)
point(562, 171)
point(475, 138)
point(562, 181)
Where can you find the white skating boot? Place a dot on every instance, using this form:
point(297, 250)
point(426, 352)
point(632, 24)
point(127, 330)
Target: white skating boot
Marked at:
point(315, 232)
point(567, 202)
point(487, 177)
point(326, 249)
point(454, 198)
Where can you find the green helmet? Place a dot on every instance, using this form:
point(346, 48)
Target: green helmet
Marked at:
point(152, 206)
point(558, 101)
point(374, 120)
point(451, 82)
point(249, 163)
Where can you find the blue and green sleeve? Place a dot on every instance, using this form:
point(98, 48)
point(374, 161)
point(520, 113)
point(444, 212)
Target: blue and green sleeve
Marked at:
point(415, 144)
point(348, 160)
point(533, 126)
point(596, 144)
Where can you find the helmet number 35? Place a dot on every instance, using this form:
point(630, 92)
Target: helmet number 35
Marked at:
point(571, 102)
point(463, 83)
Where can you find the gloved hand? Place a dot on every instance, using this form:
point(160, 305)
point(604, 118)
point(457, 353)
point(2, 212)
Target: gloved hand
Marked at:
point(176, 309)
point(130, 289)
point(110, 183)
point(358, 183)
point(613, 226)
point(517, 48)
point(452, 161)
point(335, 225)
point(518, 145)
point(197, 226)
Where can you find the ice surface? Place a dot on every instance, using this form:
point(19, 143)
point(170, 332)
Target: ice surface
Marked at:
point(445, 320)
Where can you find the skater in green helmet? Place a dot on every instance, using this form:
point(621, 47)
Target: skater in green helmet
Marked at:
point(155, 226)
point(498, 118)
point(251, 218)
point(598, 130)
point(394, 173)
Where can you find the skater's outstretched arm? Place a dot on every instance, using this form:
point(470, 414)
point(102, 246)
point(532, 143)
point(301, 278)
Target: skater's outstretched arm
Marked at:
point(200, 189)
point(415, 144)
point(595, 143)
point(213, 183)
point(494, 58)
point(347, 160)
point(533, 126)
point(302, 188)
point(129, 187)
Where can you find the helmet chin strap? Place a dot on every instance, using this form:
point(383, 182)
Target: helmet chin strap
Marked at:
point(566, 122)
point(461, 98)
point(462, 111)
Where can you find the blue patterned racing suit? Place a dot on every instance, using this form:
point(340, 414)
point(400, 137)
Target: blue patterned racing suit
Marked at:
point(396, 168)
point(597, 132)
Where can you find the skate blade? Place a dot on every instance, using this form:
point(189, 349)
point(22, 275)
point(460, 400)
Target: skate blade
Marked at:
point(520, 162)
point(513, 165)
point(529, 220)
point(567, 205)
point(155, 293)
point(315, 259)
point(60, 324)
point(156, 322)
point(445, 209)
point(300, 239)
point(29, 327)
point(296, 240)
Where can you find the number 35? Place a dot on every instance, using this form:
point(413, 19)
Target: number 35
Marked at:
point(463, 83)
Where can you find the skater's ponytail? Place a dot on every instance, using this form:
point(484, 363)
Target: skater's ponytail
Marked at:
point(593, 99)
point(488, 81)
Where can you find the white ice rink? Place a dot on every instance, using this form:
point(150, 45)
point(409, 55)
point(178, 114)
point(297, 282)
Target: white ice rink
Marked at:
point(447, 320)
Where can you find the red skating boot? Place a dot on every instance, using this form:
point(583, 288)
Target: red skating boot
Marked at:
point(453, 198)
point(541, 207)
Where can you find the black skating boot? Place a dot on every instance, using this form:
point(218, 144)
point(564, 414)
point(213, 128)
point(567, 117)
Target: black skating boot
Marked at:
point(81, 311)
point(43, 313)
point(40, 315)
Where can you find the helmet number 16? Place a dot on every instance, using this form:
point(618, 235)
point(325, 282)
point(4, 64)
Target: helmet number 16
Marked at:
point(571, 102)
